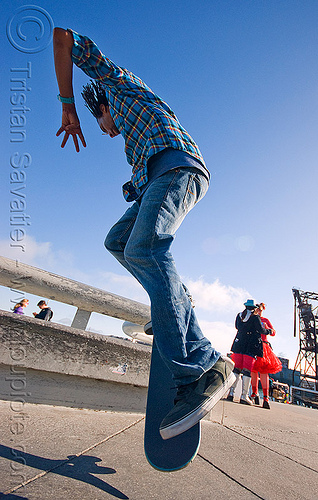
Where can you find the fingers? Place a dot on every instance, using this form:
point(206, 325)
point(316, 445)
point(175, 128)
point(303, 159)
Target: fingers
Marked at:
point(60, 130)
point(65, 139)
point(80, 135)
point(75, 140)
point(76, 143)
point(68, 132)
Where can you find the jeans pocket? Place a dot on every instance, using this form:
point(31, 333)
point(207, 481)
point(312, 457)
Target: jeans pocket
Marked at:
point(196, 189)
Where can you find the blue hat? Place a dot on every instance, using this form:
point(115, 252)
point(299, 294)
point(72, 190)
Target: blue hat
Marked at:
point(250, 303)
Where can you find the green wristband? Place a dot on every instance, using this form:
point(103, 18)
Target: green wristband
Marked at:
point(66, 100)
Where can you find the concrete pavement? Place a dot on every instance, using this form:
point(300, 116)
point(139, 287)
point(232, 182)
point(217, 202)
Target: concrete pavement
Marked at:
point(246, 453)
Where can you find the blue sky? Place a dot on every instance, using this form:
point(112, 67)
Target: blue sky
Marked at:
point(242, 77)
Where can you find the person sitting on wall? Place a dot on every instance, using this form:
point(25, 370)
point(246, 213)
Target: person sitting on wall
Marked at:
point(46, 313)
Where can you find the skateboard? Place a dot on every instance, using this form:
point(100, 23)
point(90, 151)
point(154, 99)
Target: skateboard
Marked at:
point(170, 454)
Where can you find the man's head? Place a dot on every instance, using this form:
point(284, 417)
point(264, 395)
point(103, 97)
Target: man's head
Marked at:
point(42, 304)
point(95, 99)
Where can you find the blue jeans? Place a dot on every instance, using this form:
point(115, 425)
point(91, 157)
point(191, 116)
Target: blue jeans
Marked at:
point(141, 242)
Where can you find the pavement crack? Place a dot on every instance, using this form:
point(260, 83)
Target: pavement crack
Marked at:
point(72, 458)
point(268, 448)
point(279, 441)
point(230, 477)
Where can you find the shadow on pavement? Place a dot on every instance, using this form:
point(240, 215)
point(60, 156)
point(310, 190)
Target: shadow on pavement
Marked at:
point(80, 468)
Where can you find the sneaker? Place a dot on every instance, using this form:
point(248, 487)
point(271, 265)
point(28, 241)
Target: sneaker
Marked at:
point(195, 400)
point(230, 397)
point(255, 397)
point(266, 404)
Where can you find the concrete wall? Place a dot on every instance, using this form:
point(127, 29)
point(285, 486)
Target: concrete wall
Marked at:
point(55, 364)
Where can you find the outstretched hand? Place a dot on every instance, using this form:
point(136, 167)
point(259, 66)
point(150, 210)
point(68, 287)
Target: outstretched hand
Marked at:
point(71, 126)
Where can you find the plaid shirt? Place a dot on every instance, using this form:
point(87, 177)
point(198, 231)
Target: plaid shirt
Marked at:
point(145, 121)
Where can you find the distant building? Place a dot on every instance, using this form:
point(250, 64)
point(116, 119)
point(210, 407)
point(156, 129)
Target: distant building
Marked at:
point(287, 376)
point(284, 362)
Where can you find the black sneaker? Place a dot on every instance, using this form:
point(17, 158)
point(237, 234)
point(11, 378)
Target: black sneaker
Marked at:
point(195, 400)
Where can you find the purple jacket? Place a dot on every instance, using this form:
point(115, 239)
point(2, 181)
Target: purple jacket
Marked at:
point(19, 310)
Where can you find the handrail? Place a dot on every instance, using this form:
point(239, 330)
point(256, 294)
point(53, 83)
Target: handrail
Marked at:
point(86, 298)
point(304, 389)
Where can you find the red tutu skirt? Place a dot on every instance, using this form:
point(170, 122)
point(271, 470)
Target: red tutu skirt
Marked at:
point(269, 363)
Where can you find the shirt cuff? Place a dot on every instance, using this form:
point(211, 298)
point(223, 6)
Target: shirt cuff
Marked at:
point(78, 49)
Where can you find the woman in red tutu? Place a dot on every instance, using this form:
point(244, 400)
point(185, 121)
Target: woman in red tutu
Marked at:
point(246, 348)
point(269, 363)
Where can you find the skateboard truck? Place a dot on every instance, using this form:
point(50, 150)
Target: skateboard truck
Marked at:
point(148, 328)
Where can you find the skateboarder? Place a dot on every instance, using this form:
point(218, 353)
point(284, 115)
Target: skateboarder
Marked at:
point(169, 177)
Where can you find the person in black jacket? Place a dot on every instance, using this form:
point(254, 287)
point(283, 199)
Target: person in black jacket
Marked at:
point(46, 313)
point(247, 346)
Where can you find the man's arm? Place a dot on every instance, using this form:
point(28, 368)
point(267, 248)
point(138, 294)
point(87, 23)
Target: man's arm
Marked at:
point(63, 44)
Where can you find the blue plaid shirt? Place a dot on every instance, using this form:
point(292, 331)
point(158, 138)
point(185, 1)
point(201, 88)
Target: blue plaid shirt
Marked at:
point(146, 122)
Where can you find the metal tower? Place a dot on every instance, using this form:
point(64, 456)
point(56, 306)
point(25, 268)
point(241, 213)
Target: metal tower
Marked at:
point(306, 305)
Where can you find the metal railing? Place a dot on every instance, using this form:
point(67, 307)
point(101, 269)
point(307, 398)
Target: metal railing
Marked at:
point(304, 396)
point(86, 298)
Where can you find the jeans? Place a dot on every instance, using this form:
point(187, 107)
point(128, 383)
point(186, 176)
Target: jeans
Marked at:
point(141, 242)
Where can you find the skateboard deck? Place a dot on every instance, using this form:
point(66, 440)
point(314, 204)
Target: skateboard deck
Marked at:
point(170, 454)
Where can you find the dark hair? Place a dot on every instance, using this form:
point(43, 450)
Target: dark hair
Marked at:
point(41, 303)
point(94, 95)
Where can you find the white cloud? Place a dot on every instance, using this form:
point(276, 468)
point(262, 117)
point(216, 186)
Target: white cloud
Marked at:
point(30, 251)
point(216, 306)
point(40, 254)
point(216, 297)
point(124, 285)
point(221, 334)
